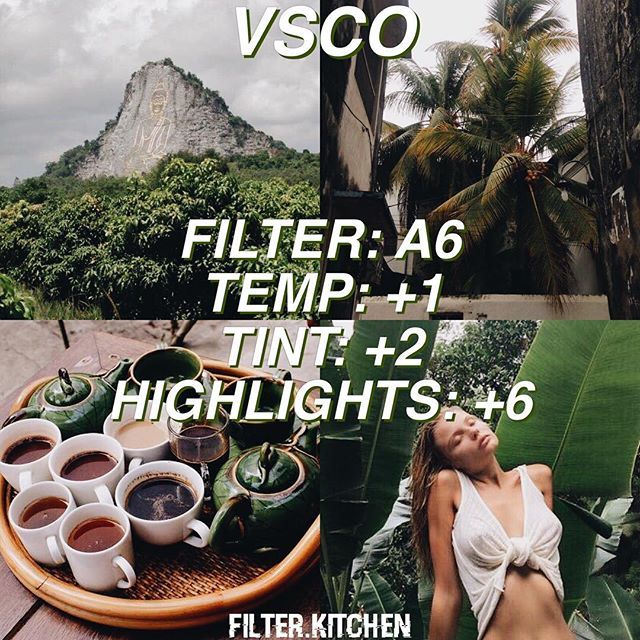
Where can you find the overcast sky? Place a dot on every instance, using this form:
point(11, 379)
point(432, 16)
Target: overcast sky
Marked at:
point(64, 65)
point(462, 20)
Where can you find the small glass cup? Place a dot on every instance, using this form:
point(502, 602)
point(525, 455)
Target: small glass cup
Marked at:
point(203, 442)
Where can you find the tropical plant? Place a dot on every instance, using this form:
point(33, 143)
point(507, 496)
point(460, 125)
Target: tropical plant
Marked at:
point(434, 97)
point(493, 351)
point(586, 401)
point(121, 251)
point(355, 496)
point(502, 151)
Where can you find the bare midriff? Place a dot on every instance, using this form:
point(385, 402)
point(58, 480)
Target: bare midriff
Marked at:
point(528, 609)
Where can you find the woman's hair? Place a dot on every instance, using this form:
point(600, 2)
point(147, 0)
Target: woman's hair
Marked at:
point(426, 463)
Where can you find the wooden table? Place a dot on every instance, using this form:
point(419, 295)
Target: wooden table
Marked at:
point(23, 616)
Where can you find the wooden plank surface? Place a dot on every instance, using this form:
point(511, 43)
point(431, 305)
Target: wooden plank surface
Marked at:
point(24, 617)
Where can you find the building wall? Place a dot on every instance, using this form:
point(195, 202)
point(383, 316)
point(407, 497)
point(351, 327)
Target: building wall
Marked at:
point(495, 308)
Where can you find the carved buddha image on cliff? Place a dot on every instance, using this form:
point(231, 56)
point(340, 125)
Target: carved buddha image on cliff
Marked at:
point(152, 133)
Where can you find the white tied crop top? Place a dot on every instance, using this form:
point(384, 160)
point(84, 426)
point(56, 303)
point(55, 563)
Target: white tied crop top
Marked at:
point(484, 551)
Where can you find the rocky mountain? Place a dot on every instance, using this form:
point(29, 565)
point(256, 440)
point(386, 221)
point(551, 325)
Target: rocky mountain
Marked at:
point(165, 110)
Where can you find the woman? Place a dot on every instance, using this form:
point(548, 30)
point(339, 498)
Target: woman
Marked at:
point(487, 530)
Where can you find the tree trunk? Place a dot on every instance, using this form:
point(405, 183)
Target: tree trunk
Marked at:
point(610, 54)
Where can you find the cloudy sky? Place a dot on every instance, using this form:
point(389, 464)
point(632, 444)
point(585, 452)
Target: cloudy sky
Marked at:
point(462, 20)
point(64, 65)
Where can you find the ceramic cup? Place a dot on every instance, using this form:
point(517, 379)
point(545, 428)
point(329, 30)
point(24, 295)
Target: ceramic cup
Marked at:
point(21, 476)
point(41, 543)
point(98, 489)
point(100, 570)
point(184, 527)
point(136, 455)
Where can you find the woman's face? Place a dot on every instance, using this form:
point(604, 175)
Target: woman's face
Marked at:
point(466, 441)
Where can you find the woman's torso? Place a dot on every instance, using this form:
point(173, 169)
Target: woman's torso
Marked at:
point(508, 559)
point(529, 609)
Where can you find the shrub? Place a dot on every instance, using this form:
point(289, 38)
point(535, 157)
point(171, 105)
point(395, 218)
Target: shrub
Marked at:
point(13, 305)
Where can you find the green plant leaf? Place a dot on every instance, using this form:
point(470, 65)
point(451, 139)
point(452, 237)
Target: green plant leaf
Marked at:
point(386, 446)
point(376, 596)
point(612, 610)
point(587, 399)
point(599, 525)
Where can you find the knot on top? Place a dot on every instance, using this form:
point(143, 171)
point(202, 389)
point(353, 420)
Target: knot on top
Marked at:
point(520, 553)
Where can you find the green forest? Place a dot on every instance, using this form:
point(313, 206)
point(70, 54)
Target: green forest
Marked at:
point(108, 247)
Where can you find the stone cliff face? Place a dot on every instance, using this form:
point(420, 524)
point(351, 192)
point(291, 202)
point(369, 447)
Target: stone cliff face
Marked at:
point(164, 111)
point(610, 53)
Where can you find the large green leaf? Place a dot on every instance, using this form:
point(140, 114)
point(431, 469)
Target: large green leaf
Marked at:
point(585, 425)
point(614, 612)
point(376, 596)
point(586, 420)
point(341, 496)
point(376, 548)
point(387, 445)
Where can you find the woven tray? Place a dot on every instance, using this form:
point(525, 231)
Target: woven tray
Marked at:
point(177, 586)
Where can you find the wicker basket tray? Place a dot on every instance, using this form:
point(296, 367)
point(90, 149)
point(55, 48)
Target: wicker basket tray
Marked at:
point(177, 586)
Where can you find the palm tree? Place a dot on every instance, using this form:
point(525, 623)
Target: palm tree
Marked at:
point(433, 96)
point(521, 214)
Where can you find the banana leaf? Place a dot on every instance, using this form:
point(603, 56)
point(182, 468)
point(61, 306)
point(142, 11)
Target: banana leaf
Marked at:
point(615, 512)
point(376, 596)
point(586, 419)
point(376, 548)
point(386, 446)
point(341, 495)
point(613, 611)
point(583, 629)
point(585, 425)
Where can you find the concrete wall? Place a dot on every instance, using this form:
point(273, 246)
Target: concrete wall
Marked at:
point(495, 308)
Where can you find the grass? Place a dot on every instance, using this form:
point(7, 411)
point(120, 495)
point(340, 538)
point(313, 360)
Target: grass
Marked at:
point(44, 309)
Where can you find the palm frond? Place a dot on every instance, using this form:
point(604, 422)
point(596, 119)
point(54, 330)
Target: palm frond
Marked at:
point(529, 99)
point(550, 262)
point(446, 141)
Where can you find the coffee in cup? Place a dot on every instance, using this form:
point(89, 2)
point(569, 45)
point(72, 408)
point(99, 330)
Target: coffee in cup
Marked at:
point(95, 535)
point(96, 539)
point(143, 440)
point(160, 498)
point(90, 465)
point(25, 449)
point(163, 500)
point(42, 512)
point(36, 515)
point(28, 450)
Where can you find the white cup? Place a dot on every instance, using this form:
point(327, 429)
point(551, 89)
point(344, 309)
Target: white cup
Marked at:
point(97, 489)
point(185, 527)
point(100, 570)
point(42, 544)
point(21, 476)
point(136, 457)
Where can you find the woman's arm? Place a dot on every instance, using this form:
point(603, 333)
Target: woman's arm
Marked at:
point(447, 596)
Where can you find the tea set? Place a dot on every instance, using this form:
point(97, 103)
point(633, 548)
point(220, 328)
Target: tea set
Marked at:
point(88, 485)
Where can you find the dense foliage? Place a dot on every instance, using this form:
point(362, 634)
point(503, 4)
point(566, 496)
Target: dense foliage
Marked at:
point(486, 357)
point(288, 164)
point(490, 148)
point(121, 251)
point(13, 304)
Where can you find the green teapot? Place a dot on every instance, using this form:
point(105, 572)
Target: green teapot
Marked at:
point(267, 497)
point(76, 402)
